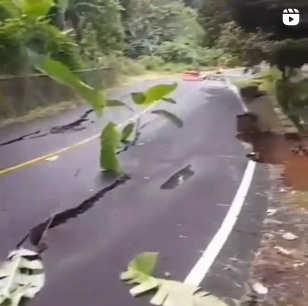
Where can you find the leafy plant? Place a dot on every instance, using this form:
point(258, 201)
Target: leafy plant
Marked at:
point(110, 142)
point(167, 292)
point(37, 54)
point(268, 80)
point(112, 139)
point(24, 25)
point(63, 75)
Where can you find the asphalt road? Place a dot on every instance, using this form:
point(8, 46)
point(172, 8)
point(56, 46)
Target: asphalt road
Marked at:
point(183, 181)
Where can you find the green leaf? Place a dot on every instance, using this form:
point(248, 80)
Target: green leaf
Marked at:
point(145, 262)
point(110, 141)
point(149, 284)
point(63, 75)
point(158, 92)
point(169, 100)
point(138, 272)
point(173, 293)
point(127, 131)
point(138, 97)
point(173, 118)
point(35, 8)
point(168, 292)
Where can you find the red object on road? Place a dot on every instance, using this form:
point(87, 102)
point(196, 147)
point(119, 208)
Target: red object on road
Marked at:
point(193, 76)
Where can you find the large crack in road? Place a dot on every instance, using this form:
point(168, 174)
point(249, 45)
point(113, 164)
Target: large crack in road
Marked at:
point(38, 232)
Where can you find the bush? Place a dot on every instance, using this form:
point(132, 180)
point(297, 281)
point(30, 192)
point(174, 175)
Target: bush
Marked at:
point(151, 62)
point(12, 52)
point(122, 65)
point(292, 95)
point(177, 52)
point(190, 54)
point(16, 35)
point(47, 39)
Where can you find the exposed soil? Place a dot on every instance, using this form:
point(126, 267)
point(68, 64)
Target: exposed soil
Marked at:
point(296, 172)
point(281, 263)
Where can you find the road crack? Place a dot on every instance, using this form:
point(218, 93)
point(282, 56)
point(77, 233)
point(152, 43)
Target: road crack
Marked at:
point(75, 125)
point(39, 231)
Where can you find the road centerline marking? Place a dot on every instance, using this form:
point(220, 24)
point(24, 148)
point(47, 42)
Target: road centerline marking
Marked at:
point(68, 148)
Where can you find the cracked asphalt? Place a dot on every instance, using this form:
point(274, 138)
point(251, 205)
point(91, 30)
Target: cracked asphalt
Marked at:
point(182, 182)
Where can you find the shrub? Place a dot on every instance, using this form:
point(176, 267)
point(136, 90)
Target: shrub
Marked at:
point(122, 65)
point(177, 52)
point(151, 62)
point(16, 35)
point(47, 39)
point(12, 52)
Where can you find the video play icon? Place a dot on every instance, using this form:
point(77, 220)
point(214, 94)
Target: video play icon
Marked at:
point(290, 17)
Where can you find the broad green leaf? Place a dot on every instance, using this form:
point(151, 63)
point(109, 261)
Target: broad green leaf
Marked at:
point(149, 284)
point(63, 75)
point(108, 158)
point(158, 92)
point(138, 97)
point(111, 134)
point(168, 292)
point(138, 272)
point(35, 8)
point(145, 262)
point(173, 118)
point(127, 131)
point(169, 100)
point(173, 293)
point(110, 141)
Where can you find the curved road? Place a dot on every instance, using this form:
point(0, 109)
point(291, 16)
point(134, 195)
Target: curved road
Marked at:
point(183, 181)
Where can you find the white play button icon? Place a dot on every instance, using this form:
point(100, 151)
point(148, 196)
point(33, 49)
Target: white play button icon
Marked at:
point(290, 17)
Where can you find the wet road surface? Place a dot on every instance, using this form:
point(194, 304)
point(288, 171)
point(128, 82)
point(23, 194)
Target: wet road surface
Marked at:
point(183, 181)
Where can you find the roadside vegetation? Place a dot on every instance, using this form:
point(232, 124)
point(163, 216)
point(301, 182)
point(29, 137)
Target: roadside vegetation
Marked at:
point(58, 38)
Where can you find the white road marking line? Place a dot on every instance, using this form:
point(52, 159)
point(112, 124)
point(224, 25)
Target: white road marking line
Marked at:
point(235, 90)
point(50, 156)
point(201, 268)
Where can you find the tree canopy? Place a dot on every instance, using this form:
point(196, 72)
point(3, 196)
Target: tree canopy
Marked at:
point(267, 15)
point(289, 44)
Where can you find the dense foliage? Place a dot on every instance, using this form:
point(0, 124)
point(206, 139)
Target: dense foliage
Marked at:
point(253, 31)
point(289, 46)
point(88, 33)
point(19, 32)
